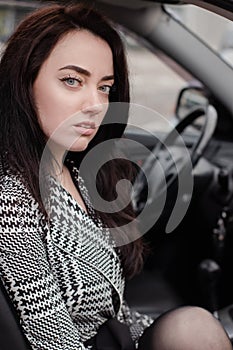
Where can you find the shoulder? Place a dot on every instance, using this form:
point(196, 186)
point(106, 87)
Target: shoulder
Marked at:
point(12, 187)
point(15, 198)
point(22, 225)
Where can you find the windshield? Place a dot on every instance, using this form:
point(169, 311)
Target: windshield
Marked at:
point(213, 29)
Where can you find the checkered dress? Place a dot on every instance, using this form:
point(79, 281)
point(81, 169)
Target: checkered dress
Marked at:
point(63, 276)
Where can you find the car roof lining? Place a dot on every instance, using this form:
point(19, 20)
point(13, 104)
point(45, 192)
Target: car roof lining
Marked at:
point(19, 4)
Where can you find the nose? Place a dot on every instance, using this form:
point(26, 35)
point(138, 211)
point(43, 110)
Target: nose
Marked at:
point(92, 103)
point(93, 110)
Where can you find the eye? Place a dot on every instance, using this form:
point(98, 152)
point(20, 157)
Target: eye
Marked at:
point(72, 82)
point(105, 89)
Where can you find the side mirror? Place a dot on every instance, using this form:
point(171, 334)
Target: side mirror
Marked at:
point(189, 98)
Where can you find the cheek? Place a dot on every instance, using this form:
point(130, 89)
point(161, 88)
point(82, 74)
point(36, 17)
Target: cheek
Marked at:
point(107, 118)
point(51, 109)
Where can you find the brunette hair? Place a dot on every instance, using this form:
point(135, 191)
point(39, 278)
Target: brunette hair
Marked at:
point(22, 140)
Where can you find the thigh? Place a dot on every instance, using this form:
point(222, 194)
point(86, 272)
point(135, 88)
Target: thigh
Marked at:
point(191, 328)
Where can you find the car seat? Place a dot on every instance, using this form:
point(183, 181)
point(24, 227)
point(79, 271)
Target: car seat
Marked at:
point(11, 335)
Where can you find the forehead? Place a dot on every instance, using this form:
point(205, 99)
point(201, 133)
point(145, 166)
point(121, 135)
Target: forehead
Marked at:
point(83, 48)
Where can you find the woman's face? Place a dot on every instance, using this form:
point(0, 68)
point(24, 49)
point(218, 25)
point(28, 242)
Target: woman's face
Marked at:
point(71, 91)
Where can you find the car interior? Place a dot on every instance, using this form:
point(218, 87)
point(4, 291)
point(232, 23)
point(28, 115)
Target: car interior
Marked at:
point(184, 185)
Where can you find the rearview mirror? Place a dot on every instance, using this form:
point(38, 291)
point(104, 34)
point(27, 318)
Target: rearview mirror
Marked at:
point(189, 98)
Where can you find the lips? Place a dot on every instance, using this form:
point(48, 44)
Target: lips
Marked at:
point(85, 128)
point(86, 125)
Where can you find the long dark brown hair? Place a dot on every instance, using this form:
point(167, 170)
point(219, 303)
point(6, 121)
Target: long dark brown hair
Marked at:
point(22, 140)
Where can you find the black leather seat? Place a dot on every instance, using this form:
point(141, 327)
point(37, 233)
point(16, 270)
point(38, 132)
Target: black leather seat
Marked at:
point(11, 335)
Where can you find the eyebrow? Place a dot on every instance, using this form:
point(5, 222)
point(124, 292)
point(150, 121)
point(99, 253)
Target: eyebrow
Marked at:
point(85, 72)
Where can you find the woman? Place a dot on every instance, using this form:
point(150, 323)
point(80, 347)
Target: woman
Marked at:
point(60, 74)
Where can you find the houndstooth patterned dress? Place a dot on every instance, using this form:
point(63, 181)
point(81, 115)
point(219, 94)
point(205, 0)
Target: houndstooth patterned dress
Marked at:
point(63, 277)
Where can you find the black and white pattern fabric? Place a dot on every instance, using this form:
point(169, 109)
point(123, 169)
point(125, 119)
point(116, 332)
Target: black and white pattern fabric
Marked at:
point(63, 276)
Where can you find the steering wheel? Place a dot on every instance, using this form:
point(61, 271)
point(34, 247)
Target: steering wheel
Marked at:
point(170, 157)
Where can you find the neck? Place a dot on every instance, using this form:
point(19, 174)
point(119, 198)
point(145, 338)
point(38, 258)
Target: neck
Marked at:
point(58, 154)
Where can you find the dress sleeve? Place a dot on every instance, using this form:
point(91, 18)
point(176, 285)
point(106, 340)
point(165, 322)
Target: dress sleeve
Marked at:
point(27, 276)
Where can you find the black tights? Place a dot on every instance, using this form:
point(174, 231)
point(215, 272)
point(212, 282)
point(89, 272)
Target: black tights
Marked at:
point(185, 328)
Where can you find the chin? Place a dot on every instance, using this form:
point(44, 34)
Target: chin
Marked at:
point(79, 146)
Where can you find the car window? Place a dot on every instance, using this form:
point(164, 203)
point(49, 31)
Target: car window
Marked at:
point(10, 15)
point(154, 87)
point(214, 30)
